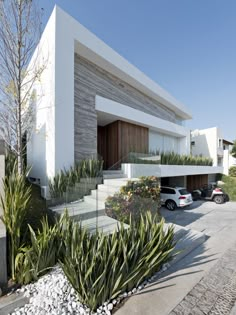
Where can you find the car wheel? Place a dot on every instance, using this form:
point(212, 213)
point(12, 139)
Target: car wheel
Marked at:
point(170, 205)
point(219, 199)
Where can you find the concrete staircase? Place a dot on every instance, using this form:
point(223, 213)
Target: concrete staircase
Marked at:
point(91, 210)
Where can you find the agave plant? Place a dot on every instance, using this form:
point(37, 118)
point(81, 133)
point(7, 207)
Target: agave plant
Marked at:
point(14, 204)
point(100, 267)
point(43, 252)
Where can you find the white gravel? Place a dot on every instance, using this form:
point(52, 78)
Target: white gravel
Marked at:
point(52, 294)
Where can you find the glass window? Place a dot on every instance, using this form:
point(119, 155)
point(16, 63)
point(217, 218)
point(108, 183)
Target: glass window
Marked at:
point(183, 192)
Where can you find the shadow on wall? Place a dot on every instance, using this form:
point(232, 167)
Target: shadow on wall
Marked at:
point(36, 155)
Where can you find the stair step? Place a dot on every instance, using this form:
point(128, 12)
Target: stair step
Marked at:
point(111, 190)
point(115, 181)
point(112, 176)
point(97, 203)
point(113, 172)
point(103, 223)
point(100, 194)
point(81, 210)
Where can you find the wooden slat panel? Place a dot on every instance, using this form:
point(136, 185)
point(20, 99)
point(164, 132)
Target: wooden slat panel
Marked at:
point(196, 181)
point(118, 139)
point(133, 138)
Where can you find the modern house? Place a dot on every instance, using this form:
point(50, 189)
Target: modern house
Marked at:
point(210, 143)
point(91, 100)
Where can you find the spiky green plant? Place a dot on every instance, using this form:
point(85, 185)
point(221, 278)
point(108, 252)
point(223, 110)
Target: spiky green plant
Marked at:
point(43, 252)
point(65, 179)
point(100, 267)
point(171, 158)
point(14, 204)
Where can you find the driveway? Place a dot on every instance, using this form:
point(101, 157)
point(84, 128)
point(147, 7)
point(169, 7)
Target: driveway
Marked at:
point(203, 216)
point(166, 293)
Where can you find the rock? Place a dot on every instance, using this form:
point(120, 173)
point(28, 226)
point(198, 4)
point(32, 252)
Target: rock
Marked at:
point(110, 307)
point(114, 302)
point(0, 292)
point(125, 294)
point(134, 290)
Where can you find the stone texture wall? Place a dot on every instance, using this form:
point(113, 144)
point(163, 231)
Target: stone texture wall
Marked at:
point(90, 81)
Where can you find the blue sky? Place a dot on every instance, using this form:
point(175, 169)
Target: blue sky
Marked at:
point(186, 46)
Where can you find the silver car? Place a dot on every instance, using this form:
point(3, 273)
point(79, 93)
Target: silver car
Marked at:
point(175, 197)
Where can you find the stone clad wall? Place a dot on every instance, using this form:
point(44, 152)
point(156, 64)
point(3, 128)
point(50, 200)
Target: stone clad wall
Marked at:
point(90, 81)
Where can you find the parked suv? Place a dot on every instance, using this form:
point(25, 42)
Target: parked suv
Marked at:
point(173, 197)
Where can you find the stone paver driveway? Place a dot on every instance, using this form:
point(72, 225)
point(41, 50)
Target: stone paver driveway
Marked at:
point(203, 216)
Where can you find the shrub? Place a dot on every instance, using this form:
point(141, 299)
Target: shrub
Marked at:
point(101, 267)
point(44, 251)
point(14, 204)
point(229, 186)
point(171, 158)
point(135, 199)
point(232, 171)
point(90, 168)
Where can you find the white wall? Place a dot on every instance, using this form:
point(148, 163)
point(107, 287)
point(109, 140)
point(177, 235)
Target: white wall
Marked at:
point(52, 145)
point(41, 148)
point(137, 170)
point(206, 143)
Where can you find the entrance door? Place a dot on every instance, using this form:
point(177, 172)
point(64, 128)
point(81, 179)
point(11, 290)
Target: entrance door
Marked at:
point(118, 139)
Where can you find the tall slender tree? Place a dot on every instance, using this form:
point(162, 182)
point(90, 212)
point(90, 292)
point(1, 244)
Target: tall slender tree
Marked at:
point(20, 31)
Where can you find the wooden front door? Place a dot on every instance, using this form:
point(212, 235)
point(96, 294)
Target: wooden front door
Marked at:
point(118, 139)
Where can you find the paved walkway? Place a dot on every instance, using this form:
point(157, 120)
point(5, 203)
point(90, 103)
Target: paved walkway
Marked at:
point(215, 293)
point(167, 293)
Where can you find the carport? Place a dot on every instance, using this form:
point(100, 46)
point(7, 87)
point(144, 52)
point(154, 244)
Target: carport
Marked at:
point(191, 182)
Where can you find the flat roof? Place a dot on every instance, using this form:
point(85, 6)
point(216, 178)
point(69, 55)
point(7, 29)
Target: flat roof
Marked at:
point(95, 50)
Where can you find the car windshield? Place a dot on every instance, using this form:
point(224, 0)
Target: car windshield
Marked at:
point(183, 192)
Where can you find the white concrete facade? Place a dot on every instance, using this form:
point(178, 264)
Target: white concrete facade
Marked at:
point(210, 143)
point(51, 147)
point(137, 170)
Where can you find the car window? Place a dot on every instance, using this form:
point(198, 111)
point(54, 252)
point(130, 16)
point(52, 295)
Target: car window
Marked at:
point(183, 192)
point(169, 191)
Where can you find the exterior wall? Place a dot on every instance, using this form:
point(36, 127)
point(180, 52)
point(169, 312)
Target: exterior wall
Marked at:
point(63, 115)
point(137, 170)
point(207, 143)
point(226, 161)
point(41, 147)
point(232, 161)
point(90, 80)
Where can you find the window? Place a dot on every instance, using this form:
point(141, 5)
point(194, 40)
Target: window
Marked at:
point(183, 192)
point(168, 191)
point(192, 143)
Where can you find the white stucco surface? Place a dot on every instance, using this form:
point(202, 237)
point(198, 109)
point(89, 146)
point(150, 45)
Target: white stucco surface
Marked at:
point(137, 170)
point(52, 145)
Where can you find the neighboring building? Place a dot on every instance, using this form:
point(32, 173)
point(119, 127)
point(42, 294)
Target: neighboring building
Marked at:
point(210, 143)
point(92, 100)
